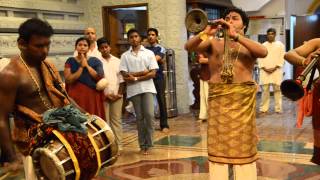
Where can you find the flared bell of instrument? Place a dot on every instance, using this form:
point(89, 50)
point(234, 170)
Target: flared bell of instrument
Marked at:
point(196, 20)
point(292, 89)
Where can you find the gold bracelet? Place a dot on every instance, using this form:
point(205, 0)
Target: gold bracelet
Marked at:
point(203, 36)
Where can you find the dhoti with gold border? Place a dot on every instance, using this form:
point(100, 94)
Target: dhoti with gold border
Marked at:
point(232, 134)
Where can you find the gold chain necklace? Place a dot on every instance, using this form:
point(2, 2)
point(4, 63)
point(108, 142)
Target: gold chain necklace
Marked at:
point(227, 71)
point(36, 83)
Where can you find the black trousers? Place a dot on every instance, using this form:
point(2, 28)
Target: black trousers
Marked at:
point(160, 85)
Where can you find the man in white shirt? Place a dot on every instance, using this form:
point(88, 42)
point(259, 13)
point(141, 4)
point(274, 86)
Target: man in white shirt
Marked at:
point(114, 90)
point(90, 33)
point(271, 73)
point(138, 67)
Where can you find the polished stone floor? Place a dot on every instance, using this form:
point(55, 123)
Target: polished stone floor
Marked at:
point(284, 150)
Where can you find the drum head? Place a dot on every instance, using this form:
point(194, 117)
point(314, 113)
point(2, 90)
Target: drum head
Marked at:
point(48, 164)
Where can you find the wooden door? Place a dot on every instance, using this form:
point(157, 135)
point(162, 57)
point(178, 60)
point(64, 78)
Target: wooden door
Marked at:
point(115, 19)
point(114, 35)
point(307, 27)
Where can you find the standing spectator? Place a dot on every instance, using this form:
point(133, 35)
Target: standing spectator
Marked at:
point(81, 75)
point(90, 34)
point(204, 87)
point(114, 90)
point(271, 73)
point(159, 80)
point(138, 66)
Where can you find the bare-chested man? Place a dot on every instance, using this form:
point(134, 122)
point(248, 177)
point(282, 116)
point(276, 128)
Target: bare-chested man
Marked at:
point(302, 56)
point(232, 96)
point(27, 89)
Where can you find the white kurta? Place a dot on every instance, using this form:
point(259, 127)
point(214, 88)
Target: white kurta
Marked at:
point(274, 58)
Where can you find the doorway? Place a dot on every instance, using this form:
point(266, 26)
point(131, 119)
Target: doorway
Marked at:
point(117, 20)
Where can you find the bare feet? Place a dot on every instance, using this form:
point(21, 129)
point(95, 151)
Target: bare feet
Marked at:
point(145, 151)
point(165, 130)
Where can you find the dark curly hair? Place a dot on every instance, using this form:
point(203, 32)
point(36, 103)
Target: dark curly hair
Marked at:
point(244, 16)
point(34, 26)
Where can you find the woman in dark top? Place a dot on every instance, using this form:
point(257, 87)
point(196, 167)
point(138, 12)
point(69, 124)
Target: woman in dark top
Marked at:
point(81, 75)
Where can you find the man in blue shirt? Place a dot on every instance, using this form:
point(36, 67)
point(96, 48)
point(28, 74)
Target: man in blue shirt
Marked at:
point(159, 80)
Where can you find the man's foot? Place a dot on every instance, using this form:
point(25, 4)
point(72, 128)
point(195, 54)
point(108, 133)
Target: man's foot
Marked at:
point(262, 113)
point(145, 151)
point(202, 120)
point(165, 130)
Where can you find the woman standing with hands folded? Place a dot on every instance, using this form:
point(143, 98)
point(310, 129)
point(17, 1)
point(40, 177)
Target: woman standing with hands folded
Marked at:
point(81, 76)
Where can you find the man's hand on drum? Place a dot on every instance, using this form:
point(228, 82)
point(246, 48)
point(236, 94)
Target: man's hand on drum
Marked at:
point(14, 166)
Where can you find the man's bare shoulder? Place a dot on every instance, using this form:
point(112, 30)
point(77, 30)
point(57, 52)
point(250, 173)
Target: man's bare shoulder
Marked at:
point(314, 42)
point(10, 70)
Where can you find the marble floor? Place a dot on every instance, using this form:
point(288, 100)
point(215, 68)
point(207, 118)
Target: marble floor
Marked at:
point(181, 154)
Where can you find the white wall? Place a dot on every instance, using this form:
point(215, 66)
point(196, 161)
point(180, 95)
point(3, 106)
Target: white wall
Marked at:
point(250, 5)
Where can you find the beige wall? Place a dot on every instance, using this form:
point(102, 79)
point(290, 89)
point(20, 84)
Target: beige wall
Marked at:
point(168, 17)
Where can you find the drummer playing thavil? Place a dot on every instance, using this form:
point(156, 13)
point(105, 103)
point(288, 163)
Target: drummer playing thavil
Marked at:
point(30, 85)
point(232, 95)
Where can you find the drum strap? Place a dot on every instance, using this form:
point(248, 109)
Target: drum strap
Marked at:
point(71, 153)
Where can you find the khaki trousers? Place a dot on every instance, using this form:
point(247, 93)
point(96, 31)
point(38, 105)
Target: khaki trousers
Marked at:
point(113, 116)
point(265, 98)
point(219, 171)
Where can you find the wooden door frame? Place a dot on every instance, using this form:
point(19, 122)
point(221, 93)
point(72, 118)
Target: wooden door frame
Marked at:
point(106, 13)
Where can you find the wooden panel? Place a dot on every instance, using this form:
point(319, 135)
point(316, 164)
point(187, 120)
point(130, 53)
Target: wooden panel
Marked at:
point(307, 27)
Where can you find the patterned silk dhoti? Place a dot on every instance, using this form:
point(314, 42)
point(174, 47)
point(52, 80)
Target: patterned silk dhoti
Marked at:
point(232, 136)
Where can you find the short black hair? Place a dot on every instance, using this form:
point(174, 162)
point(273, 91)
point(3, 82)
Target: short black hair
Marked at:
point(132, 31)
point(154, 30)
point(102, 41)
point(272, 30)
point(82, 39)
point(244, 16)
point(34, 26)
